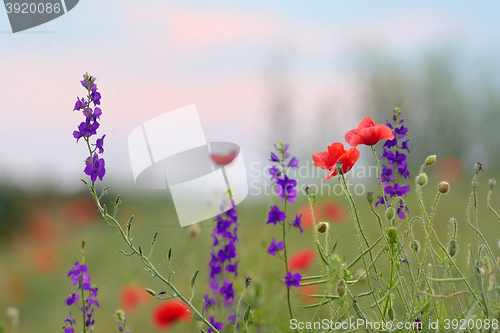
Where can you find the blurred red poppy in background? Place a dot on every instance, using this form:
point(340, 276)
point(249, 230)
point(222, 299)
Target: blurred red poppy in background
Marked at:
point(45, 258)
point(80, 211)
point(450, 168)
point(328, 211)
point(223, 159)
point(368, 133)
point(301, 260)
point(132, 296)
point(336, 153)
point(41, 227)
point(168, 313)
point(309, 290)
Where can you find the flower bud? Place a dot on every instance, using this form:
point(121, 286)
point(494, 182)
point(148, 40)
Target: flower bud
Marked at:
point(322, 227)
point(416, 245)
point(341, 288)
point(248, 281)
point(390, 313)
point(369, 197)
point(338, 165)
point(453, 248)
point(430, 160)
point(443, 187)
point(422, 179)
point(392, 234)
point(492, 182)
point(389, 213)
point(151, 292)
point(478, 167)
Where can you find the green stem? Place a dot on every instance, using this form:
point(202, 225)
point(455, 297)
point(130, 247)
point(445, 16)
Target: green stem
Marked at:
point(380, 176)
point(238, 309)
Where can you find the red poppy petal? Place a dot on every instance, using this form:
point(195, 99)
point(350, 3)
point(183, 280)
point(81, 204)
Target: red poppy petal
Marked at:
point(335, 150)
point(332, 173)
point(349, 136)
point(349, 159)
point(367, 122)
point(372, 135)
point(322, 160)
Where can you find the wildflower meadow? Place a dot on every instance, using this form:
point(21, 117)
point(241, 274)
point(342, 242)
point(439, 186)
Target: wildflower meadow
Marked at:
point(412, 253)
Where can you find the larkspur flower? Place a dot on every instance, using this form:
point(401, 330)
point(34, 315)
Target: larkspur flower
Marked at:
point(286, 189)
point(68, 324)
point(209, 301)
point(275, 247)
point(397, 164)
point(216, 325)
point(274, 172)
point(293, 280)
point(368, 133)
point(297, 223)
point(275, 215)
point(96, 168)
point(99, 144)
point(294, 163)
point(336, 153)
point(227, 291)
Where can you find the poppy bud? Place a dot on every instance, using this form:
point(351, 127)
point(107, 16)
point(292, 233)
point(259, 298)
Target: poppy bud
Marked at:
point(390, 313)
point(430, 160)
point(247, 282)
point(338, 165)
point(416, 245)
point(341, 288)
point(478, 167)
point(453, 248)
point(443, 187)
point(322, 227)
point(422, 179)
point(389, 213)
point(369, 197)
point(492, 182)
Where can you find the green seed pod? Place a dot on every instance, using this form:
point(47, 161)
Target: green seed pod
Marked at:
point(322, 227)
point(453, 247)
point(443, 187)
point(151, 292)
point(430, 160)
point(392, 234)
point(338, 165)
point(369, 197)
point(416, 245)
point(390, 313)
point(492, 182)
point(341, 288)
point(247, 313)
point(389, 213)
point(478, 167)
point(422, 179)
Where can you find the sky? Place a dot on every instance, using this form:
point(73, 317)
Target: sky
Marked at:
point(228, 58)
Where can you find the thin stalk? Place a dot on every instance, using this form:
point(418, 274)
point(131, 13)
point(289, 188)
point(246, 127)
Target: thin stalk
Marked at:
point(380, 176)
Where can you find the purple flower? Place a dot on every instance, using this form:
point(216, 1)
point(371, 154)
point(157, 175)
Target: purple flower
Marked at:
point(72, 299)
point(401, 131)
point(86, 129)
point(68, 323)
point(216, 325)
point(76, 273)
point(227, 291)
point(297, 222)
point(386, 174)
point(95, 169)
point(227, 253)
point(209, 301)
point(391, 143)
point(404, 145)
point(95, 97)
point(275, 247)
point(294, 163)
point(274, 172)
point(293, 280)
point(233, 268)
point(397, 190)
point(275, 215)
point(403, 171)
point(274, 158)
point(286, 189)
point(80, 104)
point(99, 143)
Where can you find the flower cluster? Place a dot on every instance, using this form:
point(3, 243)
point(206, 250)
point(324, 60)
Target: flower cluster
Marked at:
point(223, 258)
point(121, 320)
point(286, 190)
point(94, 165)
point(79, 276)
point(396, 166)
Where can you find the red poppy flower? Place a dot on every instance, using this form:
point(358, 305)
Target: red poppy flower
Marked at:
point(168, 313)
point(131, 296)
point(301, 260)
point(223, 159)
point(368, 133)
point(336, 153)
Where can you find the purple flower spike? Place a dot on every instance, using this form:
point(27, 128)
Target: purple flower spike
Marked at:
point(293, 280)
